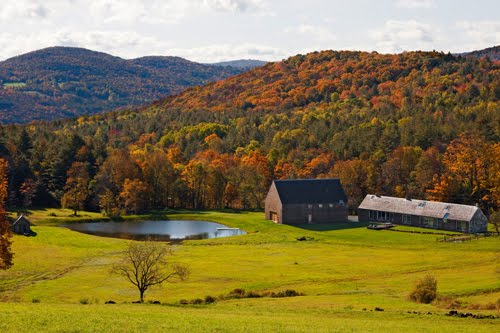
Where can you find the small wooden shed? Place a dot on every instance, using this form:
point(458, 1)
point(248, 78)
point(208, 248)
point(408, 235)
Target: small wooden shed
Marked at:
point(306, 201)
point(22, 226)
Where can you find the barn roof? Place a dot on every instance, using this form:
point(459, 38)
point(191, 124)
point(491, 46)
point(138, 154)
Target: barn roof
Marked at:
point(305, 191)
point(419, 207)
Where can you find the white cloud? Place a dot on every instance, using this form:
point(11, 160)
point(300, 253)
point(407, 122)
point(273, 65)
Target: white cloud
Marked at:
point(236, 5)
point(480, 34)
point(412, 4)
point(140, 11)
point(397, 36)
point(23, 9)
point(120, 43)
point(222, 52)
point(317, 33)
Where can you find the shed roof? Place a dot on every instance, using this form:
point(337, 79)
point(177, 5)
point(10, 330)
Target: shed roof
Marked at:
point(305, 191)
point(419, 207)
point(21, 219)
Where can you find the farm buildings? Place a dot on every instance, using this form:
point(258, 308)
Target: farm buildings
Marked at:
point(306, 201)
point(421, 213)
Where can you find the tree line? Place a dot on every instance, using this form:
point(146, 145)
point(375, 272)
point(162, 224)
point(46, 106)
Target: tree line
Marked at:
point(420, 125)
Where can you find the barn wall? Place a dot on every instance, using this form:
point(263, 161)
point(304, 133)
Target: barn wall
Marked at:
point(299, 213)
point(479, 223)
point(273, 204)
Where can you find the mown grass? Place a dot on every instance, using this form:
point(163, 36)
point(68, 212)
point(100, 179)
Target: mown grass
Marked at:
point(341, 269)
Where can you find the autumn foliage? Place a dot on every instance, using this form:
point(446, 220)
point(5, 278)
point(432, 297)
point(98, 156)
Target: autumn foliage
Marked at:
point(419, 124)
point(5, 243)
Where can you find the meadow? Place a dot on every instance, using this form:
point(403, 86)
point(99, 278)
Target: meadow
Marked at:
point(61, 279)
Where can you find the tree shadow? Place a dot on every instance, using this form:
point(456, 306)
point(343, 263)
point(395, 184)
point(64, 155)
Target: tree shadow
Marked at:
point(331, 226)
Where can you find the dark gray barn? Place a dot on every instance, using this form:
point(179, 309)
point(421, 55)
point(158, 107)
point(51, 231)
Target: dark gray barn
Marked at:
point(306, 201)
point(421, 213)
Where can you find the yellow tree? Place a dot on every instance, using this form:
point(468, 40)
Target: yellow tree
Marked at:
point(353, 175)
point(5, 243)
point(195, 175)
point(76, 190)
point(134, 195)
point(466, 178)
point(159, 174)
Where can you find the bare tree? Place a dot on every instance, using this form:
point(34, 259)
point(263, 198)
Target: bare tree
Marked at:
point(147, 264)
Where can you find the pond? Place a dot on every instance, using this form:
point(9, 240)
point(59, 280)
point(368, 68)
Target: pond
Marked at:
point(167, 230)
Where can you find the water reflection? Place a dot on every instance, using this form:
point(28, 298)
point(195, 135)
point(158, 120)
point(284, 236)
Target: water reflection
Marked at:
point(170, 230)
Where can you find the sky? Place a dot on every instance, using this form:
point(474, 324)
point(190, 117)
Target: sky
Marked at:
point(218, 30)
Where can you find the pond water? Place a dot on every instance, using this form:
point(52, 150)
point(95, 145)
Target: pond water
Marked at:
point(169, 230)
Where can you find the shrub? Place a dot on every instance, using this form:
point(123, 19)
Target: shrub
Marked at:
point(84, 301)
point(425, 290)
point(253, 294)
point(209, 299)
point(286, 293)
point(237, 293)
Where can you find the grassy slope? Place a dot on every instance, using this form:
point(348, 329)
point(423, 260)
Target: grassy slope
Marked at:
point(341, 271)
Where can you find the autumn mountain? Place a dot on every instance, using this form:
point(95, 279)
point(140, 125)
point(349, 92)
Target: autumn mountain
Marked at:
point(62, 82)
point(321, 78)
point(398, 125)
point(493, 53)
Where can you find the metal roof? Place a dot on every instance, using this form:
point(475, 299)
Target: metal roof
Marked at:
point(419, 207)
point(305, 191)
point(21, 218)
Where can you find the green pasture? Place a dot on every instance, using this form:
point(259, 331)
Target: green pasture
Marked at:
point(344, 270)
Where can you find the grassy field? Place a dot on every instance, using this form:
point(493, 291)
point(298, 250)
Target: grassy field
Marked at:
point(344, 270)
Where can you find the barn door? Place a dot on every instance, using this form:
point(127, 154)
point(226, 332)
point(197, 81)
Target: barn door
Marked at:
point(274, 217)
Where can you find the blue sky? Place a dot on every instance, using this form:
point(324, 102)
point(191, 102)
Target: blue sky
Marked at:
point(217, 30)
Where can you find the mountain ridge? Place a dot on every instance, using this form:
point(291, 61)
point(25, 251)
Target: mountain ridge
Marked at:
point(61, 82)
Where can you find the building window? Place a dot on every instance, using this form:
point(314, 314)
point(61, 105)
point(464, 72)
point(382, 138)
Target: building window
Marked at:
point(309, 206)
point(320, 205)
point(462, 226)
point(429, 222)
point(406, 219)
point(330, 205)
point(341, 202)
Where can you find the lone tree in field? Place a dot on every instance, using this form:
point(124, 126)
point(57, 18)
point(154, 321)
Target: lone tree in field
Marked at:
point(5, 251)
point(147, 264)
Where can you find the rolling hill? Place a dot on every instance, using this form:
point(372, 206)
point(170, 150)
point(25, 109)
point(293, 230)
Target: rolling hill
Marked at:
point(243, 63)
point(381, 122)
point(493, 53)
point(62, 82)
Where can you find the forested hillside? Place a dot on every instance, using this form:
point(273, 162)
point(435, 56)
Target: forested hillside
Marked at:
point(492, 53)
point(62, 82)
point(417, 124)
point(243, 63)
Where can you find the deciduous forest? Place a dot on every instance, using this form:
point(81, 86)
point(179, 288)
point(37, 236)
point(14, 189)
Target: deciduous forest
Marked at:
point(418, 124)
